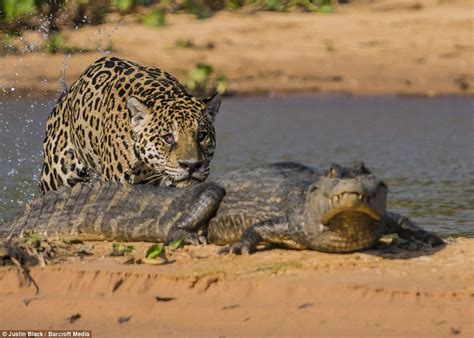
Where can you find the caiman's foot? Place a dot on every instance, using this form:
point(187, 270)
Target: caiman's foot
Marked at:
point(240, 248)
point(423, 237)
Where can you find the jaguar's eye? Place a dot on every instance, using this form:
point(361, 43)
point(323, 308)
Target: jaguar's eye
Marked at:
point(169, 138)
point(201, 136)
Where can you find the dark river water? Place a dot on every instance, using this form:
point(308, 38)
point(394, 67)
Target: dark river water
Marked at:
point(422, 147)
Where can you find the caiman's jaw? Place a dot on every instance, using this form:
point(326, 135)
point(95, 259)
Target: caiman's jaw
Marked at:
point(352, 202)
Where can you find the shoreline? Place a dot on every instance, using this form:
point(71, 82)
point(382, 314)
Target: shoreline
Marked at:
point(52, 95)
point(357, 50)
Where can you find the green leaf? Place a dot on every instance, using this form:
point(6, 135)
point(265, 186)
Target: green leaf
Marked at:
point(122, 248)
point(179, 243)
point(155, 250)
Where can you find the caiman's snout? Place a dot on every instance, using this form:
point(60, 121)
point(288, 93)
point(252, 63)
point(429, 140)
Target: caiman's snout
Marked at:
point(353, 201)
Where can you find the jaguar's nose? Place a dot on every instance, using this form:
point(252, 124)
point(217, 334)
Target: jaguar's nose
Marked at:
point(191, 166)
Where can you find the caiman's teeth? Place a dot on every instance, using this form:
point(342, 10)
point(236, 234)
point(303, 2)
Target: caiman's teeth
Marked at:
point(360, 197)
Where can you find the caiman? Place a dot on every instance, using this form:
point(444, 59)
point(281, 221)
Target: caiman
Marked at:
point(340, 210)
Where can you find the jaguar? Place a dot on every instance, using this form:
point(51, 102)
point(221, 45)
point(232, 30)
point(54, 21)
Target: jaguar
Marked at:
point(123, 122)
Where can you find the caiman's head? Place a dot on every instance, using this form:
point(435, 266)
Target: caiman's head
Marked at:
point(346, 206)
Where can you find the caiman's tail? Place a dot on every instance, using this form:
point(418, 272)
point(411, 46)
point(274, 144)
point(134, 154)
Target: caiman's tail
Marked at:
point(114, 211)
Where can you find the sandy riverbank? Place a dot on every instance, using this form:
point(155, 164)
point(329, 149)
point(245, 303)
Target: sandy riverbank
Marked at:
point(404, 47)
point(271, 293)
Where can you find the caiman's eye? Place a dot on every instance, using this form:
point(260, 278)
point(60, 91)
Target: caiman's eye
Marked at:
point(168, 138)
point(201, 136)
point(334, 171)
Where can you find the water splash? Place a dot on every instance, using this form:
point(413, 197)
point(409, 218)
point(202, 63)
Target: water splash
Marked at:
point(107, 49)
point(63, 87)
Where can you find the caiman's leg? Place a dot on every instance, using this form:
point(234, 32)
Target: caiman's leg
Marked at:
point(407, 229)
point(201, 211)
point(270, 231)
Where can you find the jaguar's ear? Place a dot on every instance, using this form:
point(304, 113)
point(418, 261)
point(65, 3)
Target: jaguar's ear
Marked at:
point(138, 113)
point(213, 104)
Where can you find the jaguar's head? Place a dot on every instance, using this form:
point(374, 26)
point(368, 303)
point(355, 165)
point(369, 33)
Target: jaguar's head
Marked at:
point(175, 139)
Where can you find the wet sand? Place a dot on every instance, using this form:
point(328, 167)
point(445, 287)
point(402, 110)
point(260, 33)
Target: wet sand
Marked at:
point(271, 293)
point(387, 47)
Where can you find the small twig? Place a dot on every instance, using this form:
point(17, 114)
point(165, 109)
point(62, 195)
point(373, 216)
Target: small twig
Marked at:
point(25, 272)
